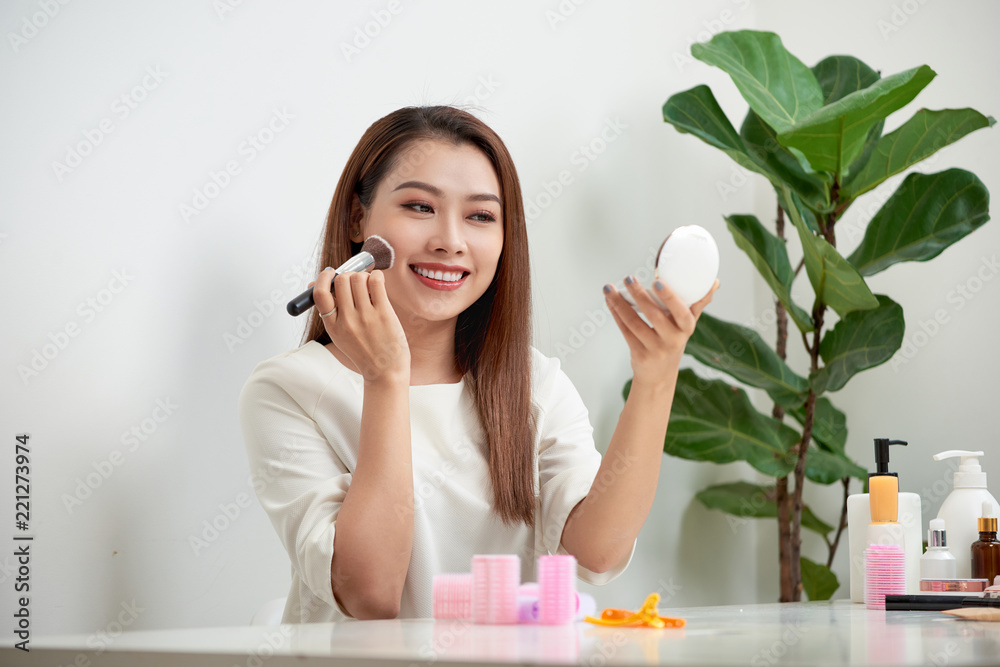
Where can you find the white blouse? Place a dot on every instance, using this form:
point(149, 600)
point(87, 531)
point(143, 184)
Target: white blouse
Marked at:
point(300, 412)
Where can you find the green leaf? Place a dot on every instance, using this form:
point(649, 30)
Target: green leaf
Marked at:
point(818, 581)
point(769, 255)
point(832, 137)
point(835, 281)
point(740, 499)
point(871, 143)
point(839, 76)
point(920, 137)
point(814, 523)
point(753, 501)
point(761, 142)
point(862, 339)
point(697, 112)
point(829, 425)
point(740, 352)
point(778, 87)
point(712, 421)
point(825, 467)
point(926, 214)
point(809, 217)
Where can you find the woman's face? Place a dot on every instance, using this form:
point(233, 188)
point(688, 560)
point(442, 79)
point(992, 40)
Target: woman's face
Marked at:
point(440, 211)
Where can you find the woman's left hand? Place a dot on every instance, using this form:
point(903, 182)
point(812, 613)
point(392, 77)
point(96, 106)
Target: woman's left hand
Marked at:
point(656, 350)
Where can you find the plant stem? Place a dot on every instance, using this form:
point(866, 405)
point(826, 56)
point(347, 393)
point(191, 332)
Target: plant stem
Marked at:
point(843, 522)
point(781, 497)
point(785, 541)
point(807, 428)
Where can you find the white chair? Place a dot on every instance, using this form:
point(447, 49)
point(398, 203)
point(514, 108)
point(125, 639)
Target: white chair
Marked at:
point(269, 613)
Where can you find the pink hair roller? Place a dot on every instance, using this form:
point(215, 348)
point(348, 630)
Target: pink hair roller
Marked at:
point(452, 595)
point(495, 580)
point(557, 599)
point(884, 574)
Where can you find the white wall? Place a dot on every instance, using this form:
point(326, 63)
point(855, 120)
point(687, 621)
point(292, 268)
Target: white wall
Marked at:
point(548, 89)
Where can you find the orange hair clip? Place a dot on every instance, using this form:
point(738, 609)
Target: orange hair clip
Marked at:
point(647, 616)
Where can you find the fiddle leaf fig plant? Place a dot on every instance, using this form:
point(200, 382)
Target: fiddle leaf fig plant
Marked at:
point(815, 134)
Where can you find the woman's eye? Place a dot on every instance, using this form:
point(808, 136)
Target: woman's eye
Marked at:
point(421, 207)
point(485, 216)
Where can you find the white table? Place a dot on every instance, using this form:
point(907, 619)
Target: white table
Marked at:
point(810, 633)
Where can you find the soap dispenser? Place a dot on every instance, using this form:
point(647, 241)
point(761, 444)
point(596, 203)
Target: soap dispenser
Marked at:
point(963, 506)
point(884, 516)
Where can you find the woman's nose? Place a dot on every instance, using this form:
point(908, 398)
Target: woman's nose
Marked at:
point(449, 233)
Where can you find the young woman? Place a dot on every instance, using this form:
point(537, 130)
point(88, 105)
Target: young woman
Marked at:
point(416, 426)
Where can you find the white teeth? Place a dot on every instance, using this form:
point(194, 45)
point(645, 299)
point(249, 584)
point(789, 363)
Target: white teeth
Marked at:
point(447, 277)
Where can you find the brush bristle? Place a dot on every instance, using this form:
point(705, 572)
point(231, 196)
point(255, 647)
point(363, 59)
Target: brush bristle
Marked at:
point(380, 250)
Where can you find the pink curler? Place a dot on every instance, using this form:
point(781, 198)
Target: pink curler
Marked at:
point(452, 595)
point(557, 596)
point(495, 580)
point(884, 574)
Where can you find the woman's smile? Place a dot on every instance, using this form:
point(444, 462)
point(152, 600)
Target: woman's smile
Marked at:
point(440, 276)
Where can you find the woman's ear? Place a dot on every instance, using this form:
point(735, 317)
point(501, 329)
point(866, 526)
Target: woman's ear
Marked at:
point(357, 217)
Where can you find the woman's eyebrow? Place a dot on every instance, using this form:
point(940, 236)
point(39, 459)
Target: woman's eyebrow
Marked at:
point(437, 192)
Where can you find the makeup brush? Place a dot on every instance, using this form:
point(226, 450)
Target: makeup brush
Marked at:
point(376, 253)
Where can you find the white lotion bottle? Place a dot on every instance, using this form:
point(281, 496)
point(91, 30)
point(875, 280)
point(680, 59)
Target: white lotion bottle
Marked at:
point(963, 506)
point(858, 518)
point(938, 561)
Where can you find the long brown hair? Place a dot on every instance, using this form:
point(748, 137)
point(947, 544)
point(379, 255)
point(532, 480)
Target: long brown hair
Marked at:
point(493, 335)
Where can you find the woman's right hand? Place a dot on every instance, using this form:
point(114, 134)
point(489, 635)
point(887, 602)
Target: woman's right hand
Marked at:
point(364, 325)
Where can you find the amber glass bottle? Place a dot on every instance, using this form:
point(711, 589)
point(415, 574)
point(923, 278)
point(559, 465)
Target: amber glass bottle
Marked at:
point(986, 550)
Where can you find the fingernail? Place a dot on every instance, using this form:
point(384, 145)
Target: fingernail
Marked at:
point(628, 280)
point(658, 285)
point(607, 289)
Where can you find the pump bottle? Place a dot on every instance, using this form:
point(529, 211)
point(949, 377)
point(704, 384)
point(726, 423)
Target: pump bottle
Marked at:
point(886, 515)
point(962, 508)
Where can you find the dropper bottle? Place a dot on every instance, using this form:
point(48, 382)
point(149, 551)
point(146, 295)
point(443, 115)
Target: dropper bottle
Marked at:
point(937, 562)
point(986, 550)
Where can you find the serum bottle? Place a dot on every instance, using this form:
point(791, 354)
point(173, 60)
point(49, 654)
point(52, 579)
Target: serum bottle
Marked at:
point(937, 562)
point(986, 550)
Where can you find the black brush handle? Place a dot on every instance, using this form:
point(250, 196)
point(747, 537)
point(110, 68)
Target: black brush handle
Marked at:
point(363, 261)
point(301, 303)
